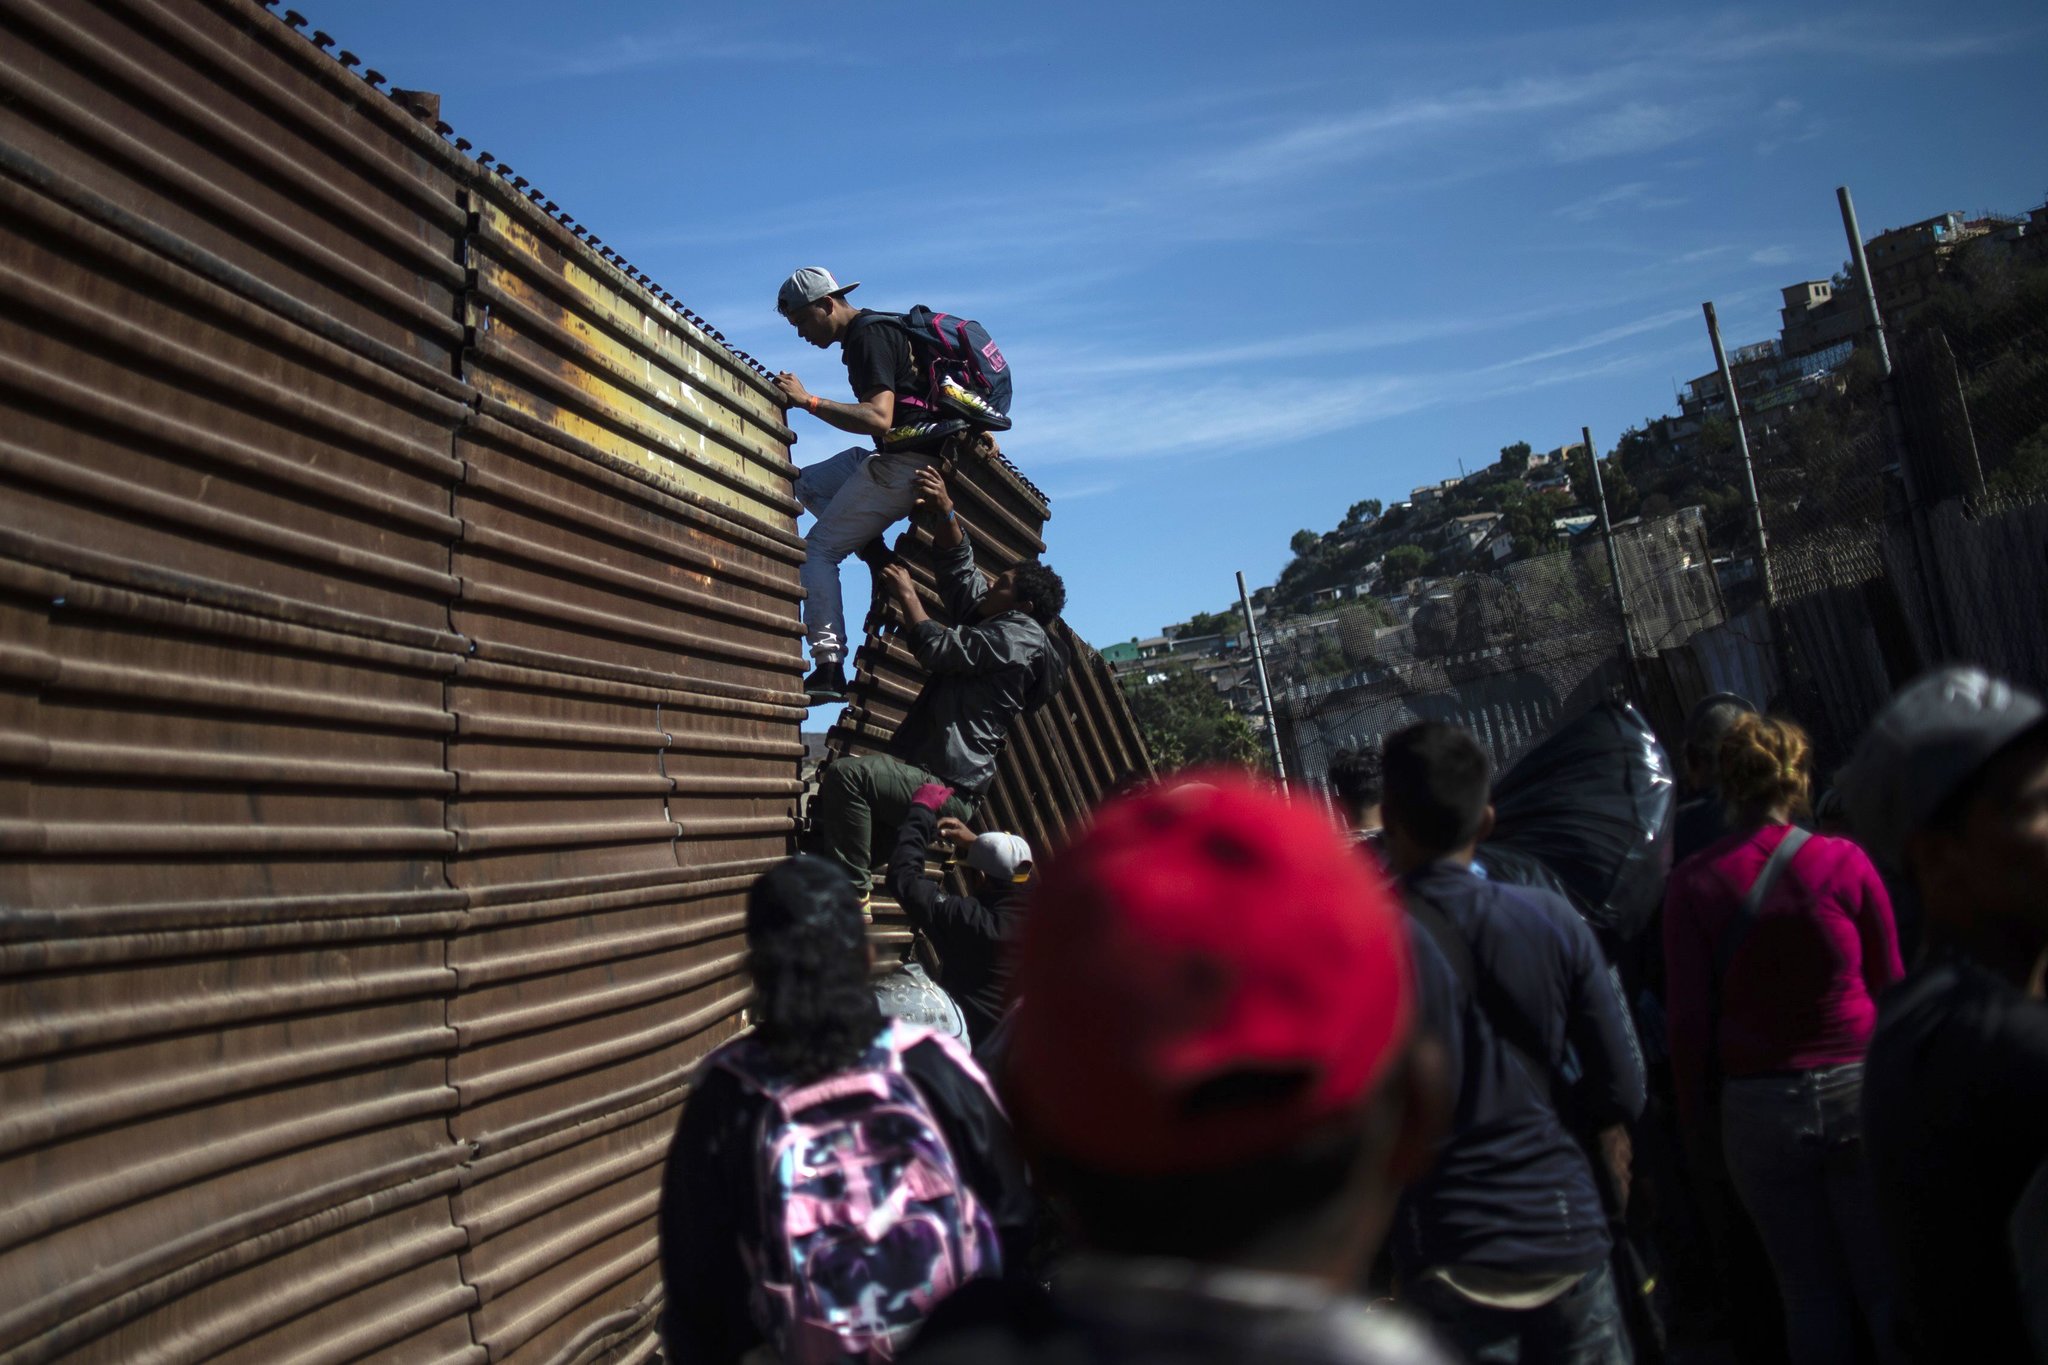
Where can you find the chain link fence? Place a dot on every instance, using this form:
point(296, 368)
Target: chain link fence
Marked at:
point(1907, 525)
point(1906, 521)
point(1509, 654)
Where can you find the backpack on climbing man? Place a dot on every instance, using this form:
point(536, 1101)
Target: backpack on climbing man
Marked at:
point(961, 368)
point(866, 1221)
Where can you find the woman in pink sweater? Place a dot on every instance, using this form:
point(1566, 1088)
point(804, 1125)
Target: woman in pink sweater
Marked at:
point(1771, 1005)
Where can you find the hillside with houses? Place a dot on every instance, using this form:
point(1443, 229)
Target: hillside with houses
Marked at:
point(1406, 580)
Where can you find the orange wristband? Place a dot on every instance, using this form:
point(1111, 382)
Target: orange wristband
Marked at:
point(811, 404)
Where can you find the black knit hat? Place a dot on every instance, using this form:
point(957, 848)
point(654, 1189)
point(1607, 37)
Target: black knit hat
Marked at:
point(804, 895)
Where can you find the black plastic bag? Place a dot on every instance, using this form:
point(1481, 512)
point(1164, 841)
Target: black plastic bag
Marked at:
point(1588, 812)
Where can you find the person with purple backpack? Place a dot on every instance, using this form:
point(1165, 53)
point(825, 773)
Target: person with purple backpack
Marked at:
point(834, 1174)
point(924, 384)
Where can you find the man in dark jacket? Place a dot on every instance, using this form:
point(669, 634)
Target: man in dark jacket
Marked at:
point(997, 663)
point(1951, 785)
point(1504, 1245)
point(971, 934)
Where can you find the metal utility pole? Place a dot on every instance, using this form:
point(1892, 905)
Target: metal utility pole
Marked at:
point(1756, 507)
point(1628, 638)
point(1895, 427)
point(1860, 267)
point(1251, 628)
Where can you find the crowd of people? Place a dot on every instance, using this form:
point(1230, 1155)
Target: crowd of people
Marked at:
point(1239, 1076)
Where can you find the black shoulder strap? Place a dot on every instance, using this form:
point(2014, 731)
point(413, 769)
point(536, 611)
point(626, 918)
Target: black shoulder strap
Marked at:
point(1753, 903)
point(1458, 952)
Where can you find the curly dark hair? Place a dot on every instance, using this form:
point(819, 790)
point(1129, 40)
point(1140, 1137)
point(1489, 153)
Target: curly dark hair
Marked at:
point(1037, 584)
point(1356, 777)
point(814, 1008)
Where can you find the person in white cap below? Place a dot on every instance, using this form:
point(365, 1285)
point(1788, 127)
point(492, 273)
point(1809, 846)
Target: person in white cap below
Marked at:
point(971, 934)
point(859, 493)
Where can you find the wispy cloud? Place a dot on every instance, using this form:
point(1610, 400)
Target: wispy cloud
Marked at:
point(1637, 194)
point(1069, 362)
point(1071, 492)
point(1092, 423)
point(1734, 39)
point(1656, 322)
point(1771, 255)
point(1636, 126)
point(675, 47)
point(1330, 140)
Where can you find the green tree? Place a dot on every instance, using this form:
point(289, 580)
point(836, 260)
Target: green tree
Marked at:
point(1364, 612)
point(2026, 474)
point(1515, 458)
point(1212, 623)
point(1369, 507)
point(1324, 660)
point(1403, 562)
point(1635, 448)
point(1531, 520)
point(1622, 500)
point(1305, 544)
point(1186, 723)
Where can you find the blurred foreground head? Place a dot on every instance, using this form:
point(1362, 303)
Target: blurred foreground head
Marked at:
point(1215, 1054)
point(1950, 786)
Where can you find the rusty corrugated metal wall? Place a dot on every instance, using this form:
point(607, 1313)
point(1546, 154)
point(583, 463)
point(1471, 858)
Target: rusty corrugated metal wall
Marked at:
point(398, 688)
point(399, 652)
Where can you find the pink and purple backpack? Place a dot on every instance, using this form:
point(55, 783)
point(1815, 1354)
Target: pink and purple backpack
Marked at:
point(866, 1221)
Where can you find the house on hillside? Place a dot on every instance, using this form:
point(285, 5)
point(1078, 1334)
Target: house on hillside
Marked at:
point(1468, 533)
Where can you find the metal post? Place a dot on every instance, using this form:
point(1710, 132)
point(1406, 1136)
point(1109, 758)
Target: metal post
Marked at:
point(1756, 507)
point(1894, 424)
point(1628, 638)
point(1251, 628)
point(1860, 267)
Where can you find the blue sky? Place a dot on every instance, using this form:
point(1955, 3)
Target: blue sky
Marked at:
point(1247, 271)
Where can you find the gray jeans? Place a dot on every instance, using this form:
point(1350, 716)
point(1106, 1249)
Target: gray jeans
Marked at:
point(1795, 1153)
point(856, 495)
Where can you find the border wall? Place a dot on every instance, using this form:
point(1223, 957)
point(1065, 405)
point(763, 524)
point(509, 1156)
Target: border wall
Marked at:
point(399, 687)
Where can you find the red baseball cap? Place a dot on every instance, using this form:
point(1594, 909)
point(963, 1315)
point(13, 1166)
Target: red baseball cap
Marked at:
point(1196, 935)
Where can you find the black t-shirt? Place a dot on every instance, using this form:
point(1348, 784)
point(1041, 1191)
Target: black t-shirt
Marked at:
point(1955, 1105)
point(877, 356)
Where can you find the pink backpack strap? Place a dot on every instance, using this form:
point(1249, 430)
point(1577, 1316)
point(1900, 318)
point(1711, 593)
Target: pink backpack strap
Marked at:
point(903, 1037)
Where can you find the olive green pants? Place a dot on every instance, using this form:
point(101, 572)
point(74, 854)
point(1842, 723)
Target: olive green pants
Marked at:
point(860, 805)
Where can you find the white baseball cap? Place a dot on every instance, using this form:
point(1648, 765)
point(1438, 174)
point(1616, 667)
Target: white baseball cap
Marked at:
point(1002, 856)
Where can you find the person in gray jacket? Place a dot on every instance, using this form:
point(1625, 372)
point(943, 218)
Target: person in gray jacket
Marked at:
point(997, 663)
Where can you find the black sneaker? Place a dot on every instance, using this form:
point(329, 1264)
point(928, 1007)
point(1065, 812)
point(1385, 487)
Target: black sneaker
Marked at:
point(876, 554)
point(827, 683)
